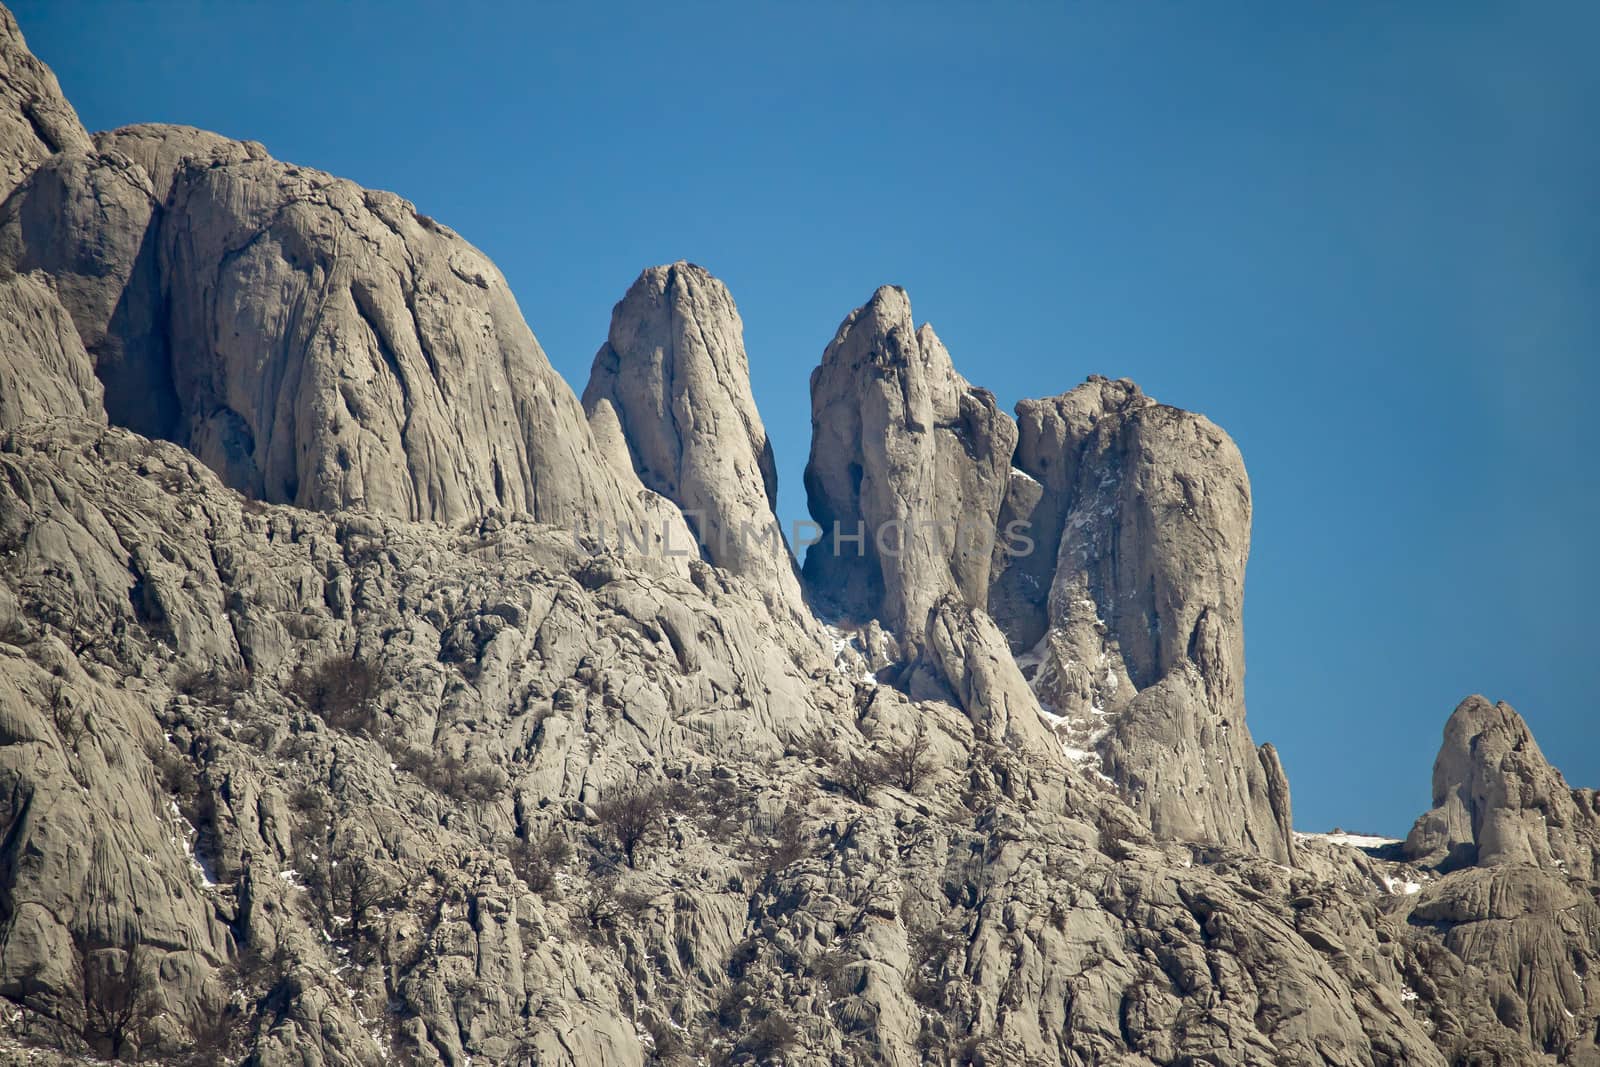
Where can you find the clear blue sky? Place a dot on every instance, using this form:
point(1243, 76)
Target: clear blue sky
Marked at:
point(1362, 238)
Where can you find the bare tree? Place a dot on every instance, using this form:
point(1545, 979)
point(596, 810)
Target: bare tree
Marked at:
point(119, 998)
point(630, 817)
point(343, 690)
point(909, 763)
point(361, 885)
point(538, 858)
point(857, 776)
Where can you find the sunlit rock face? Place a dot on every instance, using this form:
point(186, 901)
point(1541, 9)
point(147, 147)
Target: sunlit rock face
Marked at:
point(907, 472)
point(1129, 610)
point(674, 376)
point(331, 733)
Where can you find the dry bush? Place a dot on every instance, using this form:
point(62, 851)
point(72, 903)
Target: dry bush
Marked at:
point(630, 817)
point(538, 859)
point(209, 685)
point(119, 999)
point(857, 777)
point(176, 776)
point(909, 763)
point(789, 843)
point(773, 1038)
point(342, 690)
point(451, 775)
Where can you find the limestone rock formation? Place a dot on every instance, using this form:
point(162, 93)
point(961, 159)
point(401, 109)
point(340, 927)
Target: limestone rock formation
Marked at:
point(44, 370)
point(1496, 800)
point(909, 465)
point(334, 872)
point(35, 119)
point(85, 219)
point(674, 376)
point(349, 786)
point(1131, 605)
point(971, 656)
point(314, 342)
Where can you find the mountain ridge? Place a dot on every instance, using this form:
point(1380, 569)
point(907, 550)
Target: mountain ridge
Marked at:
point(330, 733)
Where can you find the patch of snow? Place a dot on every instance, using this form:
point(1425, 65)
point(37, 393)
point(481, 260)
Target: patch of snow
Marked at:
point(1401, 886)
point(1353, 840)
point(1035, 655)
point(1408, 995)
point(848, 655)
point(184, 838)
point(1020, 473)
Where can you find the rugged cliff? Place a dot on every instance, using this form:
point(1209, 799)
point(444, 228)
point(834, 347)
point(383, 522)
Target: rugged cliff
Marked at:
point(327, 739)
point(674, 376)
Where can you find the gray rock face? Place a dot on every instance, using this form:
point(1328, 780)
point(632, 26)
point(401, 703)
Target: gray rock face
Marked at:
point(1006, 906)
point(674, 375)
point(44, 370)
point(908, 458)
point(1132, 605)
point(35, 119)
point(86, 219)
point(306, 788)
point(398, 376)
point(314, 342)
point(1496, 800)
point(971, 655)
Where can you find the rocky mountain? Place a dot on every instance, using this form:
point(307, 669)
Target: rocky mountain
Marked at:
point(335, 731)
point(390, 370)
point(907, 471)
point(1496, 801)
point(1132, 603)
point(674, 377)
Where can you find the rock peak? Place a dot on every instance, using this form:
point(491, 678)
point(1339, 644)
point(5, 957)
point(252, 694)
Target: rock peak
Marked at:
point(675, 376)
point(907, 470)
point(1497, 800)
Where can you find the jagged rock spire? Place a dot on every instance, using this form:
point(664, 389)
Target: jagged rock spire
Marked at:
point(1131, 605)
point(674, 375)
point(907, 471)
point(1497, 800)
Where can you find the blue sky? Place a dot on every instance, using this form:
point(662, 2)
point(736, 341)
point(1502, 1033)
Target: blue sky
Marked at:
point(1363, 238)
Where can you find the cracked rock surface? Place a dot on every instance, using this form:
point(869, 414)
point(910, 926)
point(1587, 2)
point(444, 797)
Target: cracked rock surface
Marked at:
point(331, 737)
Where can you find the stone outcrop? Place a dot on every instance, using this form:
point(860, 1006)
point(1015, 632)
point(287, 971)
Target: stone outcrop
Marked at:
point(1131, 605)
point(314, 342)
point(972, 661)
point(1496, 800)
point(674, 377)
point(35, 119)
point(86, 220)
point(1006, 905)
point(353, 786)
point(909, 460)
point(44, 370)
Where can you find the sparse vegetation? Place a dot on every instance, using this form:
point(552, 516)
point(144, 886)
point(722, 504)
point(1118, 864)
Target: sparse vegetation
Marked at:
point(68, 722)
point(210, 685)
point(774, 1037)
point(449, 774)
point(539, 858)
point(929, 947)
point(343, 690)
point(176, 775)
point(119, 998)
point(909, 763)
point(858, 776)
point(789, 842)
point(632, 816)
